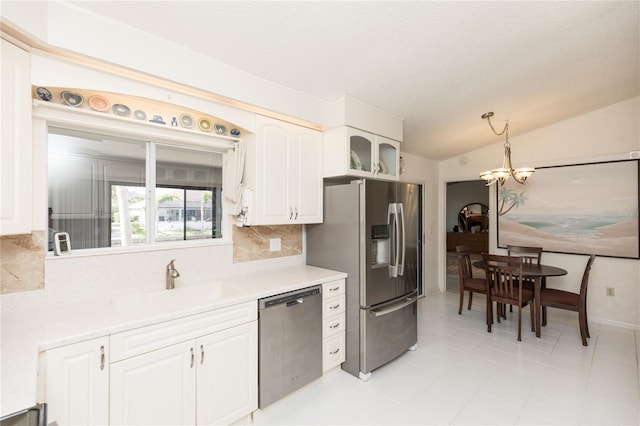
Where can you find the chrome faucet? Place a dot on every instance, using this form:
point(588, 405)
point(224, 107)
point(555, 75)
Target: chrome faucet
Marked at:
point(172, 274)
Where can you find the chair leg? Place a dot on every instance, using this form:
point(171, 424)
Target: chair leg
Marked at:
point(470, 300)
point(461, 301)
point(583, 331)
point(489, 314)
point(519, 323)
point(544, 315)
point(533, 324)
point(586, 321)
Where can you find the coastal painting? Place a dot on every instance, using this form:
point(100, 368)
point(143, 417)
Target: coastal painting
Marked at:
point(580, 209)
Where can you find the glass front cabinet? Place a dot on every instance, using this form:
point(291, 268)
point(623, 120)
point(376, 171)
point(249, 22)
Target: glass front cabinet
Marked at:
point(353, 152)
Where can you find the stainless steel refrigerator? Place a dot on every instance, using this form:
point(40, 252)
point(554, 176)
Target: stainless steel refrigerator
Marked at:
point(371, 231)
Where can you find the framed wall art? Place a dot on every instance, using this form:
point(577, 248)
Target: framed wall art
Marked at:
point(580, 209)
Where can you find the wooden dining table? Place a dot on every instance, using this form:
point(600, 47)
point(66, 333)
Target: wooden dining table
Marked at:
point(539, 274)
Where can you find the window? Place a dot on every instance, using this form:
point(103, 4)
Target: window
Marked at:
point(115, 192)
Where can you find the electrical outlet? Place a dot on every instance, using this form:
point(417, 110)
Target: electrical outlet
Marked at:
point(611, 291)
point(274, 244)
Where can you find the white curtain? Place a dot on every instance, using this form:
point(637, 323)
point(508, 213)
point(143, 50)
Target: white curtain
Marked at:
point(232, 185)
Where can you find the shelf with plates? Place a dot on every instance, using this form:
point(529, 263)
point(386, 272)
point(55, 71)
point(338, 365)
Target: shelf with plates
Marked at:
point(133, 111)
point(353, 152)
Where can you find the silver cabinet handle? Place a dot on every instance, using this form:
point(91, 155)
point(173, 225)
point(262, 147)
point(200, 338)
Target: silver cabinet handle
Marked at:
point(201, 354)
point(290, 212)
point(334, 288)
point(334, 352)
point(335, 325)
point(102, 357)
point(334, 307)
point(296, 209)
point(192, 358)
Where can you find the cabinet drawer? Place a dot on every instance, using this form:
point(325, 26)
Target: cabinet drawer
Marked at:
point(333, 350)
point(145, 339)
point(333, 325)
point(333, 288)
point(332, 306)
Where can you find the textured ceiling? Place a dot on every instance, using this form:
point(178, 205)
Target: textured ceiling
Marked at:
point(439, 65)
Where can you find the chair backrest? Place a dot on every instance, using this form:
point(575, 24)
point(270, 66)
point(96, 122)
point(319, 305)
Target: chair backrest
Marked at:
point(463, 258)
point(528, 254)
point(585, 278)
point(502, 276)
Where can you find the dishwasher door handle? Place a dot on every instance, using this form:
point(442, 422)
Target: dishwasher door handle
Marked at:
point(295, 302)
point(393, 308)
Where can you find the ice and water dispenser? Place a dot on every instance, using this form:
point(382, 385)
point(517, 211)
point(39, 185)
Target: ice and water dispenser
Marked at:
point(380, 244)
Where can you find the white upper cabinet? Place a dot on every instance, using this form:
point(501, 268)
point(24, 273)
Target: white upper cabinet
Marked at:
point(353, 152)
point(284, 169)
point(15, 143)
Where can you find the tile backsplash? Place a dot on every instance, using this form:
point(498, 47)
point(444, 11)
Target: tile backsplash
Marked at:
point(253, 243)
point(22, 260)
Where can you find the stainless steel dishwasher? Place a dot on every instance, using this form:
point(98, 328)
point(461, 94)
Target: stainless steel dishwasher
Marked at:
point(290, 338)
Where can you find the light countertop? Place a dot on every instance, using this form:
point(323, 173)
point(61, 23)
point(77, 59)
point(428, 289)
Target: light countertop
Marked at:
point(26, 334)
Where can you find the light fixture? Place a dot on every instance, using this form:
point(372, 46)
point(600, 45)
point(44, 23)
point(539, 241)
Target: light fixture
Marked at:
point(503, 173)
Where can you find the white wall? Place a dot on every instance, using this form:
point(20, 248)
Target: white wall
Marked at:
point(606, 134)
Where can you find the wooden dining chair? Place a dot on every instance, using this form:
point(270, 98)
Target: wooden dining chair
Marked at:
point(530, 255)
point(502, 274)
point(576, 302)
point(465, 274)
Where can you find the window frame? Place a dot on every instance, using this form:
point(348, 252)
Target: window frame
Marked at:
point(50, 115)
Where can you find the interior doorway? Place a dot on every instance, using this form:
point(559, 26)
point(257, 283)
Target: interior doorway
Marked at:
point(467, 223)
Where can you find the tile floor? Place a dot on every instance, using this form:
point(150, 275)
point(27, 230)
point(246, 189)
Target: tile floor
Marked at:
point(460, 374)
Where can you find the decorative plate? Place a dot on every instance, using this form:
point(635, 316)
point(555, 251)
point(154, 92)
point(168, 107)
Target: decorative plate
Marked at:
point(121, 110)
point(235, 132)
point(204, 124)
point(355, 161)
point(140, 114)
point(98, 103)
point(220, 129)
point(186, 121)
point(44, 94)
point(72, 99)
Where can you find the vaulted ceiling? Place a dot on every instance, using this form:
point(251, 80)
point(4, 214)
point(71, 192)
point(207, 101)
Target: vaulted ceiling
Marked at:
point(438, 64)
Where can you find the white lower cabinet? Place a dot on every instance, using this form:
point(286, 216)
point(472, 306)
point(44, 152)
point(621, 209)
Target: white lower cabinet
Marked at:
point(227, 381)
point(76, 383)
point(155, 388)
point(201, 369)
point(333, 321)
point(209, 380)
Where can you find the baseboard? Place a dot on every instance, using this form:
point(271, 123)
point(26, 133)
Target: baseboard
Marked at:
point(620, 324)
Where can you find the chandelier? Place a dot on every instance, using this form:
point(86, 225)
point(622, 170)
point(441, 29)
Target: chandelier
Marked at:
point(503, 173)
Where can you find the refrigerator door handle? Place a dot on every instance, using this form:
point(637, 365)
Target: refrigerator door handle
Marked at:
point(393, 241)
point(402, 245)
point(388, 310)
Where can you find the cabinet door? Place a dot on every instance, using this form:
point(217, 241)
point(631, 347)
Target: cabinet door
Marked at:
point(362, 152)
point(306, 185)
point(77, 383)
point(227, 382)
point(155, 388)
point(388, 157)
point(272, 186)
point(15, 143)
